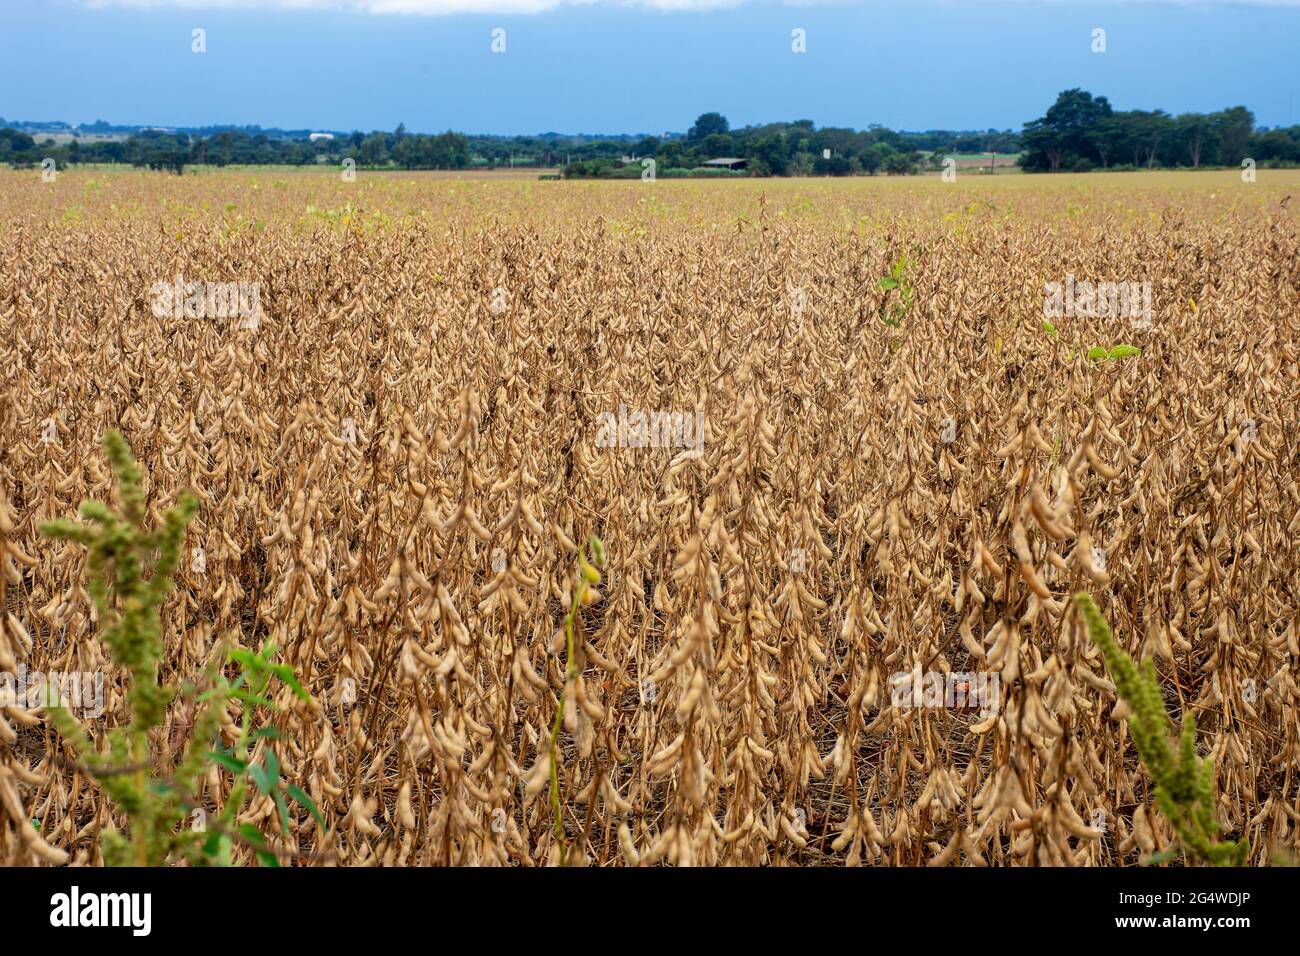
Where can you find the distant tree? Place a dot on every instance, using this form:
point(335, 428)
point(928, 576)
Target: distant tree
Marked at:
point(670, 155)
point(772, 152)
point(872, 159)
point(1066, 134)
point(1234, 126)
point(159, 151)
point(1106, 136)
point(1195, 133)
point(708, 124)
point(14, 145)
point(717, 144)
point(449, 150)
point(374, 151)
point(221, 148)
point(1044, 149)
point(900, 164)
point(835, 166)
point(1146, 131)
point(1276, 145)
point(407, 153)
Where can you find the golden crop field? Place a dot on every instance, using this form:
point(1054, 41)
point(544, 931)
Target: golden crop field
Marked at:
point(836, 440)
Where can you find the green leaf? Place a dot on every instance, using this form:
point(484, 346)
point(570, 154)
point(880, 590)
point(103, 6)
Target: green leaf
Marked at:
point(297, 793)
point(241, 656)
point(284, 811)
point(286, 674)
point(1050, 329)
point(1097, 353)
point(261, 778)
point(1164, 856)
point(253, 835)
point(233, 764)
point(213, 842)
point(1124, 351)
point(270, 733)
point(887, 283)
point(266, 775)
point(249, 697)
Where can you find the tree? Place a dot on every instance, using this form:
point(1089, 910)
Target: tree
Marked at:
point(1106, 136)
point(1234, 127)
point(1276, 145)
point(449, 150)
point(374, 151)
point(708, 124)
point(717, 144)
point(772, 152)
point(1146, 130)
point(671, 155)
point(1066, 135)
point(900, 164)
point(159, 150)
point(873, 158)
point(1043, 149)
point(17, 148)
point(835, 166)
point(1195, 133)
point(407, 153)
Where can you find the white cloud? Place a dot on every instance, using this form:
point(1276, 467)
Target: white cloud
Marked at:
point(437, 7)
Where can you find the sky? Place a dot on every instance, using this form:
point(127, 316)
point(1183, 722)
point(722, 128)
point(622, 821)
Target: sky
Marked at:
point(633, 66)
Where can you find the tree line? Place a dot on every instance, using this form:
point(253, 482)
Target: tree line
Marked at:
point(774, 149)
point(1082, 132)
point(157, 149)
point(1079, 132)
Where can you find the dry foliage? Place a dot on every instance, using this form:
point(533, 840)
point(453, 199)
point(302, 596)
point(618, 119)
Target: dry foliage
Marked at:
point(732, 705)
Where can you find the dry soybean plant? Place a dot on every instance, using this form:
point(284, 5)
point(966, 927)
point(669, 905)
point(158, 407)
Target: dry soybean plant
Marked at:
point(807, 514)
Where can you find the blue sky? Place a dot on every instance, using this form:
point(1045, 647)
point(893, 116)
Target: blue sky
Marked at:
point(635, 65)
